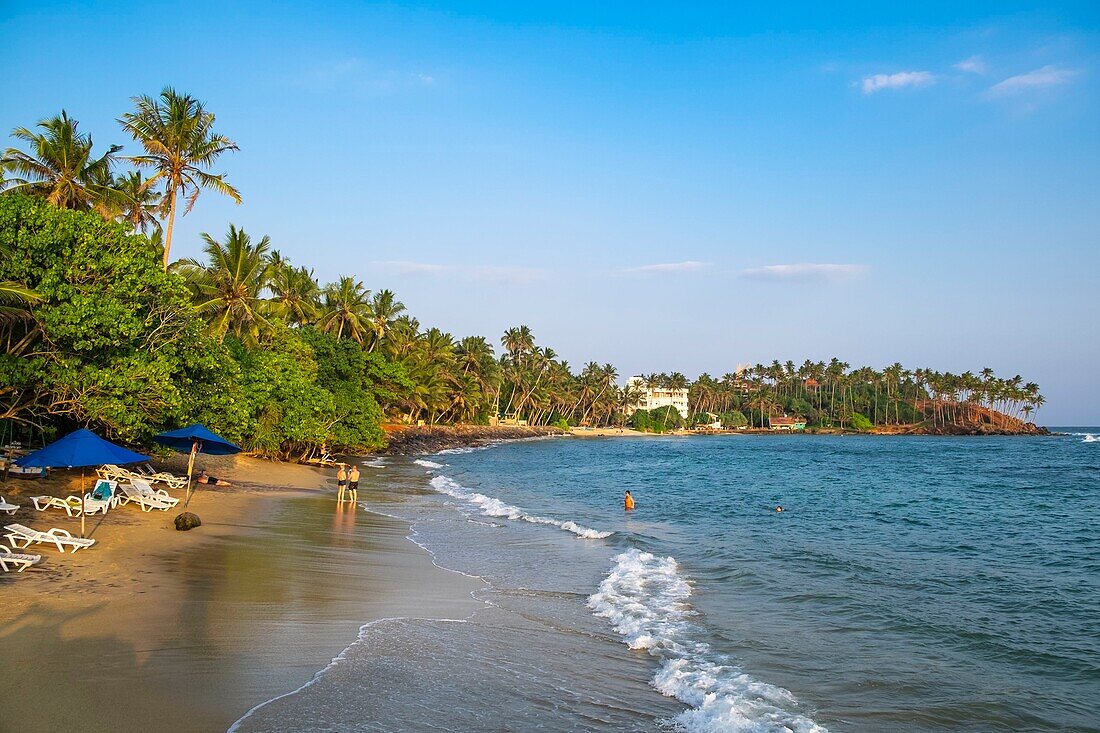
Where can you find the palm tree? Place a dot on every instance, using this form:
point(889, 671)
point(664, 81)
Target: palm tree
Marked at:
point(385, 309)
point(227, 290)
point(138, 202)
point(180, 143)
point(15, 298)
point(296, 293)
point(60, 166)
point(346, 309)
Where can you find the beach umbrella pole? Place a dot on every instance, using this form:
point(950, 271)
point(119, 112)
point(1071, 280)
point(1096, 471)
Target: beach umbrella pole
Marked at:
point(190, 470)
point(83, 505)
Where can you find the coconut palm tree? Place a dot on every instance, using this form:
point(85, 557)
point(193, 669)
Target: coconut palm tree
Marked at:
point(60, 166)
point(345, 310)
point(15, 298)
point(228, 289)
point(138, 202)
point(180, 145)
point(385, 309)
point(295, 292)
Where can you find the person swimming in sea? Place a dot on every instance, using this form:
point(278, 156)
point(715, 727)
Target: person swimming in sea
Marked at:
point(628, 502)
point(779, 508)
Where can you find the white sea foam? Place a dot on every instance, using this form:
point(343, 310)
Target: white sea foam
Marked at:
point(1090, 438)
point(492, 507)
point(375, 463)
point(645, 598)
point(428, 464)
point(459, 451)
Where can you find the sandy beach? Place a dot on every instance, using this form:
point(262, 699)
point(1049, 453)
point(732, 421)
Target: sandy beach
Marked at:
point(193, 629)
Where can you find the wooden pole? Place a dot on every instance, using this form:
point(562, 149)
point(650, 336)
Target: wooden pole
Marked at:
point(83, 505)
point(190, 470)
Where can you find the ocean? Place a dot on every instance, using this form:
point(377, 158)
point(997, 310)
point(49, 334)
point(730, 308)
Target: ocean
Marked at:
point(909, 584)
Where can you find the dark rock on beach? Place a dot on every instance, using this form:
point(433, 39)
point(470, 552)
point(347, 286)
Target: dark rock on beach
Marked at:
point(186, 521)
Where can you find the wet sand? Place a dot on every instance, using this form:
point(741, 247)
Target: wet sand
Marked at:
point(157, 629)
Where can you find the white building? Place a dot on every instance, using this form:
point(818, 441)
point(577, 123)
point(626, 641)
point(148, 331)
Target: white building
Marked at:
point(653, 397)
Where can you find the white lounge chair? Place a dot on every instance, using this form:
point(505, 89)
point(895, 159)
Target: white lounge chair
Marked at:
point(101, 498)
point(117, 473)
point(17, 560)
point(173, 481)
point(6, 507)
point(18, 533)
point(71, 504)
point(145, 497)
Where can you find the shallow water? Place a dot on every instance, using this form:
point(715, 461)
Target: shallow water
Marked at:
point(911, 584)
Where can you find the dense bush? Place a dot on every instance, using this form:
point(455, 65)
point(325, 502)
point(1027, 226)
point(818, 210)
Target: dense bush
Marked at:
point(859, 422)
point(658, 420)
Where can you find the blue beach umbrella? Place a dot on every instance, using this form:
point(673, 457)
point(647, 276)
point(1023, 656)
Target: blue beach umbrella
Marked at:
point(80, 449)
point(196, 439)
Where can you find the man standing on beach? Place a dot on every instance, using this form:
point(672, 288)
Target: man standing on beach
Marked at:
point(341, 482)
point(353, 483)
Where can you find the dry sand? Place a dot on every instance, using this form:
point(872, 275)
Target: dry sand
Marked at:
point(186, 631)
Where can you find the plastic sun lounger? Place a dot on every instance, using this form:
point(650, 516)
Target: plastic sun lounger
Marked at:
point(6, 507)
point(130, 493)
point(71, 504)
point(17, 560)
point(173, 481)
point(149, 492)
point(94, 504)
point(18, 533)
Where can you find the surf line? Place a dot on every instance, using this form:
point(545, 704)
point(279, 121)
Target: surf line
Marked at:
point(492, 507)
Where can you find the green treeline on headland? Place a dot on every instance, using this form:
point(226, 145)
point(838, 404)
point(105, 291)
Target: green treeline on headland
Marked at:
point(102, 329)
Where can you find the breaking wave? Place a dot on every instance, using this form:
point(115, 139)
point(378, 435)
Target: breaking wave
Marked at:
point(492, 507)
point(428, 464)
point(645, 598)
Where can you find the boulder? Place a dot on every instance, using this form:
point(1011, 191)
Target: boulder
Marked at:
point(186, 521)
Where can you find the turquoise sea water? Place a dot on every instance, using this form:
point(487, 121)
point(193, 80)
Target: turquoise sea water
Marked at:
point(911, 584)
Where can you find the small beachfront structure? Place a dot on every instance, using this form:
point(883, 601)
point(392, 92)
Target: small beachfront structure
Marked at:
point(653, 397)
point(786, 423)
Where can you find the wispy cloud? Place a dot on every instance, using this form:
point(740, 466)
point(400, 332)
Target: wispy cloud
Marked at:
point(1048, 76)
point(664, 267)
point(900, 80)
point(356, 75)
point(805, 271)
point(481, 273)
point(972, 65)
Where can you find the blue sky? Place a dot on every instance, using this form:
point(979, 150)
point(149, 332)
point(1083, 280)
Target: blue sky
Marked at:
point(679, 187)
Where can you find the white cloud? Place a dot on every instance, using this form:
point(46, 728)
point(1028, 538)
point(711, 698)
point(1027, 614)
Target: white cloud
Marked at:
point(878, 82)
point(481, 273)
point(972, 65)
point(356, 75)
point(1048, 76)
point(685, 266)
point(805, 271)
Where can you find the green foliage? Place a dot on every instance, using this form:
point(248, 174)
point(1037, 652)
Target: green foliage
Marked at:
point(658, 420)
point(860, 422)
point(733, 419)
point(112, 336)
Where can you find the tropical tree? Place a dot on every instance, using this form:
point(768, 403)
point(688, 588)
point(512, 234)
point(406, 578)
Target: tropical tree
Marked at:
point(138, 203)
point(180, 145)
point(228, 289)
point(384, 311)
point(60, 166)
point(296, 295)
point(345, 311)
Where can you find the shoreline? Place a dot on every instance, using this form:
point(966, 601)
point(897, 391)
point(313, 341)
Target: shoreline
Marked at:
point(202, 627)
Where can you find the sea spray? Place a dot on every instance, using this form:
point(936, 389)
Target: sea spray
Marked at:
point(645, 598)
point(492, 507)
